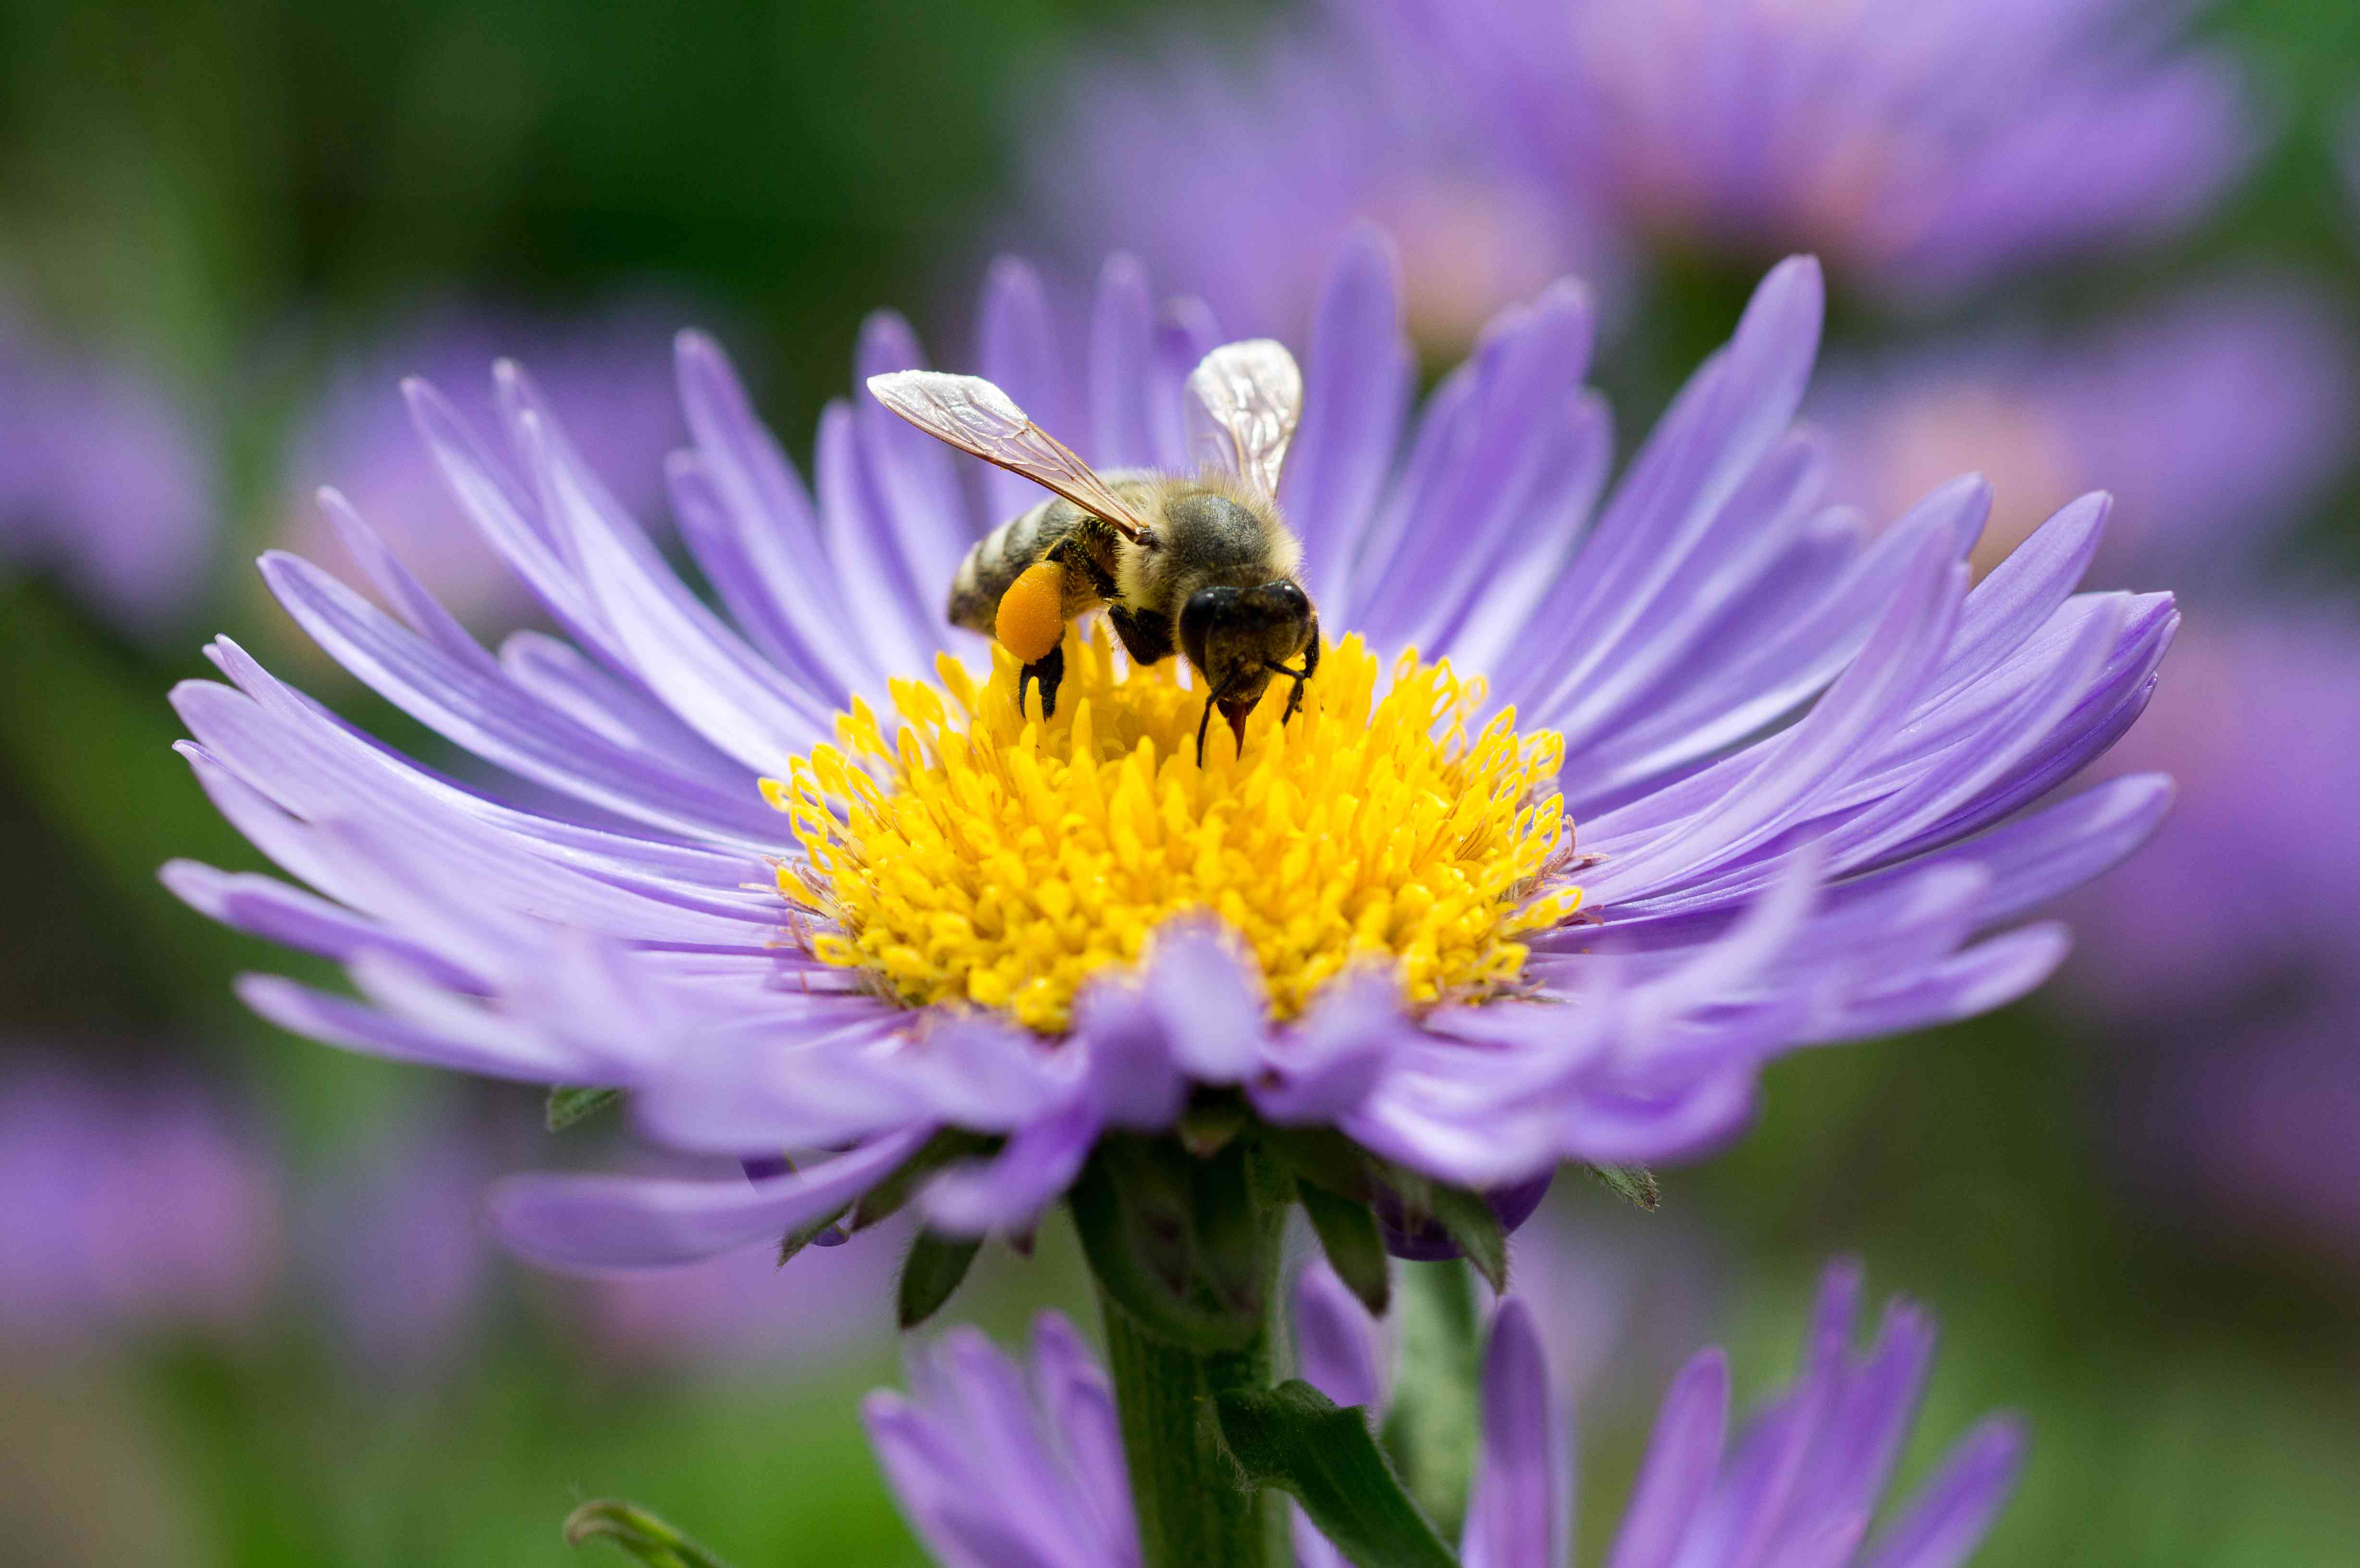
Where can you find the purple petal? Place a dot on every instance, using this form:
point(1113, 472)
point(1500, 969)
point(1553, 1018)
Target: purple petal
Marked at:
point(592, 1223)
point(1335, 1343)
point(1682, 1459)
point(1520, 1511)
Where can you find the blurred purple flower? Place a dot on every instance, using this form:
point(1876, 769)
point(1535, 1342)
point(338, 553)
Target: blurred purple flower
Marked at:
point(2250, 1131)
point(400, 1257)
point(2215, 418)
point(988, 1470)
point(2251, 891)
point(1802, 759)
point(1922, 147)
point(102, 479)
point(1239, 177)
point(603, 371)
point(131, 1211)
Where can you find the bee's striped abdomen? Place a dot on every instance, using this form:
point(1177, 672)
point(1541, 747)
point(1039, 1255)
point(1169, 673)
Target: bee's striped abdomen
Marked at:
point(1001, 556)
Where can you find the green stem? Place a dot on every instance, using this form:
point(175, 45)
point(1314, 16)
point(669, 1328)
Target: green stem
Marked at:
point(1184, 1250)
point(1192, 1512)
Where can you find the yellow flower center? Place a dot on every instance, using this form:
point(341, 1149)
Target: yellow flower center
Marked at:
point(981, 856)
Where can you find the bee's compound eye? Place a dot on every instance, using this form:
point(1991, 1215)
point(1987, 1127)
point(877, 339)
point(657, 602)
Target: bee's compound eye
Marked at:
point(1205, 607)
point(1286, 597)
point(1030, 620)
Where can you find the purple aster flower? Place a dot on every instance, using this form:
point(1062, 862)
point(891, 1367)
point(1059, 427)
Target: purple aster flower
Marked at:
point(1812, 772)
point(603, 372)
point(102, 481)
point(2221, 413)
point(1240, 176)
point(991, 1470)
point(130, 1212)
point(1923, 148)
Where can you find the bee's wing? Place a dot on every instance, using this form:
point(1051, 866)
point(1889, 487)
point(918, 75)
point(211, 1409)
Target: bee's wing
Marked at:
point(1255, 394)
point(974, 416)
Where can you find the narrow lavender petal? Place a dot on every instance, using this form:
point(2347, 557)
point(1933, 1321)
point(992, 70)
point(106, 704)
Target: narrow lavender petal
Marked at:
point(1210, 1003)
point(480, 710)
point(1949, 1517)
point(1007, 1191)
point(1531, 359)
point(340, 1021)
point(926, 1470)
point(1120, 350)
point(770, 516)
point(1134, 1079)
point(899, 634)
point(264, 906)
point(1729, 415)
point(1088, 1433)
point(1678, 1473)
point(924, 510)
point(1334, 1059)
point(1016, 350)
point(1356, 398)
point(1520, 1511)
point(700, 667)
point(1335, 1343)
point(988, 1391)
point(590, 1223)
point(408, 596)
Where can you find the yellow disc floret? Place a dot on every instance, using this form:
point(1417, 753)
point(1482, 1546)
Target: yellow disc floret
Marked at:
point(980, 856)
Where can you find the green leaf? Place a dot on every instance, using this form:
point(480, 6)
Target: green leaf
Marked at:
point(568, 1105)
point(638, 1532)
point(1469, 1218)
point(1635, 1183)
point(1112, 1235)
point(932, 1271)
point(1434, 1423)
point(1294, 1439)
point(885, 1200)
point(1356, 1249)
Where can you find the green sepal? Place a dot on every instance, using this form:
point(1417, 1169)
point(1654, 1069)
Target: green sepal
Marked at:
point(567, 1105)
point(803, 1234)
point(1113, 1235)
point(1227, 1231)
point(1434, 1424)
point(1469, 1219)
point(885, 1200)
point(638, 1532)
point(1635, 1183)
point(1294, 1439)
point(1324, 1158)
point(1355, 1248)
point(933, 1270)
point(1208, 1127)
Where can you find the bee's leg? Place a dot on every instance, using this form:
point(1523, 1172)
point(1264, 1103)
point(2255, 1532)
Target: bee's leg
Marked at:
point(1300, 677)
point(1050, 672)
point(1146, 636)
point(1236, 721)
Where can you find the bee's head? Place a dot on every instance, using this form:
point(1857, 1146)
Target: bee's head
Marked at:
point(1233, 636)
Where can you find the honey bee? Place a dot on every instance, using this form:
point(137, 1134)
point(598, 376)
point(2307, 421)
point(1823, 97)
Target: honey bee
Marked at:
point(1203, 566)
